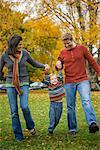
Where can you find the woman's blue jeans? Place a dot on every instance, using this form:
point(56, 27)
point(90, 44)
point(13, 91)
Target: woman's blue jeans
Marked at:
point(16, 125)
point(84, 90)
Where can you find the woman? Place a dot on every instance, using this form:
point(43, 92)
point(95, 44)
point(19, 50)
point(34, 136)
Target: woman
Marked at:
point(15, 58)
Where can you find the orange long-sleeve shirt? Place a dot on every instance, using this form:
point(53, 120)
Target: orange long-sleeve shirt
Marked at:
point(74, 62)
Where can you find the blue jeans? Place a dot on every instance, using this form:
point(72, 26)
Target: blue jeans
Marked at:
point(16, 125)
point(54, 114)
point(84, 90)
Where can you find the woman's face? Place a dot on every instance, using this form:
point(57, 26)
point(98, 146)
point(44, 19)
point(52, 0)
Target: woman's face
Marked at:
point(20, 46)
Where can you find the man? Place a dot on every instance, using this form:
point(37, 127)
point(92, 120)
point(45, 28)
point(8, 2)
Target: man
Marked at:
point(73, 58)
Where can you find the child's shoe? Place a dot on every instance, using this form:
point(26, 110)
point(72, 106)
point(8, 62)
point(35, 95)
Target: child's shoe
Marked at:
point(50, 132)
point(33, 131)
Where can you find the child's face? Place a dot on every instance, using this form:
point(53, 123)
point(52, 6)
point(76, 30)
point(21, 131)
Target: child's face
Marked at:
point(53, 79)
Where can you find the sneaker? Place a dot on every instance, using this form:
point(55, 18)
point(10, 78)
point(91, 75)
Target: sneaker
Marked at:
point(50, 132)
point(72, 132)
point(33, 131)
point(18, 140)
point(93, 128)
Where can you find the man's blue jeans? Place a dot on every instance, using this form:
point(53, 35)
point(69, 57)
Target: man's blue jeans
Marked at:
point(16, 125)
point(84, 90)
point(54, 114)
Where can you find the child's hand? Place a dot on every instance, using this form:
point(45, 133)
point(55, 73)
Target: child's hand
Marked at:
point(59, 64)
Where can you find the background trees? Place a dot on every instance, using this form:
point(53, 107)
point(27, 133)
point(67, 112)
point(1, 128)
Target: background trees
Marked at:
point(40, 37)
point(41, 23)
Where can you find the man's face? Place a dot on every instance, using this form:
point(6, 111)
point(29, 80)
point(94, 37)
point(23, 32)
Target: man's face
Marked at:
point(68, 44)
point(53, 79)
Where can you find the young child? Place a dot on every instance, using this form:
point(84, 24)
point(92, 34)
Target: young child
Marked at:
point(56, 93)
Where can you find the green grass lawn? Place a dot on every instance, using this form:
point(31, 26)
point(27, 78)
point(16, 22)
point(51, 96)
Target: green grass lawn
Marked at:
point(60, 140)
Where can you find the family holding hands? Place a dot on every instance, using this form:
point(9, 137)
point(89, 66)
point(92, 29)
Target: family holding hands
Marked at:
point(73, 60)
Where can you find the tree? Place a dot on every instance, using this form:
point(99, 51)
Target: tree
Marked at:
point(79, 17)
point(10, 23)
point(41, 39)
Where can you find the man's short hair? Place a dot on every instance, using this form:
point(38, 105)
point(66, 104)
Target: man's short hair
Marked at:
point(67, 36)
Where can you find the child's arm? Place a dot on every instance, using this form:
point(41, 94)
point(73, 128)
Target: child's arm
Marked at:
point(60, 75)
point(46, 79)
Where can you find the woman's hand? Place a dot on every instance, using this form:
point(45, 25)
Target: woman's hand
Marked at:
point(47, 67)
point(59, 64)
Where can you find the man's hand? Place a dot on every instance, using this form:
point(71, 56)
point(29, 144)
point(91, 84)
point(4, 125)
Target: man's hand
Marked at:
point(59, 64)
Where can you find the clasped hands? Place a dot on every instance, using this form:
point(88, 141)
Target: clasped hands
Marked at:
point(58, 65)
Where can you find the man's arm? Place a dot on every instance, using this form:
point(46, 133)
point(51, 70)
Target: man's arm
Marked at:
point(59, 63)
point(91, 60)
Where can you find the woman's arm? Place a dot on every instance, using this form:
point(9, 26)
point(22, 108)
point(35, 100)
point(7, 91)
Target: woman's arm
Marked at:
point(2, 63)
point(33, 62)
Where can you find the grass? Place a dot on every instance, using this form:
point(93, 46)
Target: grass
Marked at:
point(60, 140)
